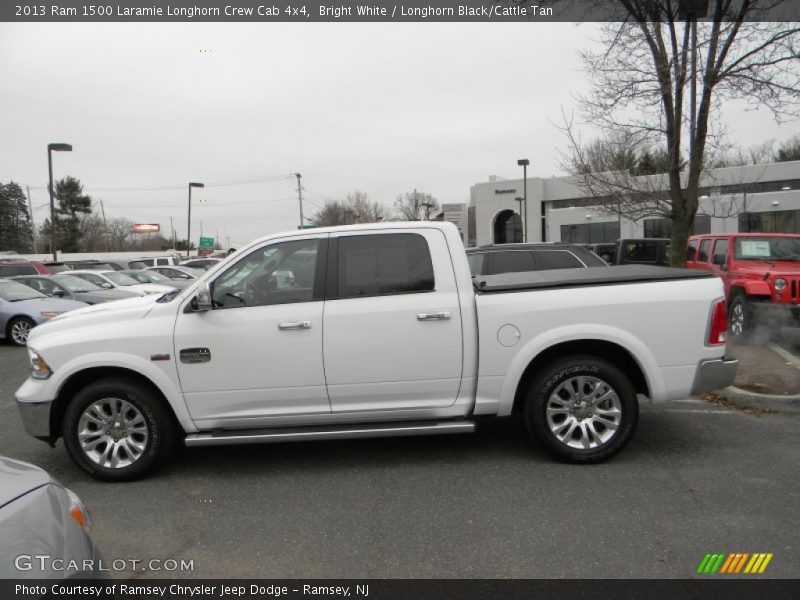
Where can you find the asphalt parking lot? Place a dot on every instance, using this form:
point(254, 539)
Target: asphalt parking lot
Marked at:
point(697, 478)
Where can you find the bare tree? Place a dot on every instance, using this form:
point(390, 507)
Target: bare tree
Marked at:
point(416, 206)
point(92, 233)
point(659, 79)
point(120, 231)
point(354, 208)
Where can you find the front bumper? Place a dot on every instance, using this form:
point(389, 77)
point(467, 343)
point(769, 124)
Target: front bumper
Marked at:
point(714, 374)
point(34, 409)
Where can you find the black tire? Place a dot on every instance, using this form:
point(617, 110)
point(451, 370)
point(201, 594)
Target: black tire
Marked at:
point(150, 449)
point(740, 318)
point(13, 333)
point(603, 441)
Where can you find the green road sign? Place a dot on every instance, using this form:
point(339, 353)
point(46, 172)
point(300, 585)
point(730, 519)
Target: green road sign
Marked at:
point(206, 242)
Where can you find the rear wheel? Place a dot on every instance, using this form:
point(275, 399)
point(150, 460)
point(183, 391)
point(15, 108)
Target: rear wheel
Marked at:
point(582, 409)
point(117, 429)
point(19, 329)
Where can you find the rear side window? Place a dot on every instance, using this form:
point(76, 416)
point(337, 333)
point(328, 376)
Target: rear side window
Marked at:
point(377, 265)
point(511, 261)
point(163, 261)
point(705, 248)
point(556, 259)
point(640, 252)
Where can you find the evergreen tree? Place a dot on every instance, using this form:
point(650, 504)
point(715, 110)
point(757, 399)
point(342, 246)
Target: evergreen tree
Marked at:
point(15, 220)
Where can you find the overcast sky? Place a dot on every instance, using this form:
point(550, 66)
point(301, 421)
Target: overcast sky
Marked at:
point(383, 108)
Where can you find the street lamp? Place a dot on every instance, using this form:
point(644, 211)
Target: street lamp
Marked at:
point(524, 162)
point(50, 149)
point(521, 220)
point(189, 223)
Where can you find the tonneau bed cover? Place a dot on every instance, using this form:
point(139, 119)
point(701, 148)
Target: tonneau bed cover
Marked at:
point(561, 278)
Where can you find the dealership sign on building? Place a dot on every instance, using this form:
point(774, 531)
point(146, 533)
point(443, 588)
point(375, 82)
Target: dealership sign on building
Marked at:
point(146, 228)
point(457, 214)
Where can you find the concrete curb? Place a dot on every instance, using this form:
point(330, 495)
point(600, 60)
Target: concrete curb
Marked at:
point(744, 399)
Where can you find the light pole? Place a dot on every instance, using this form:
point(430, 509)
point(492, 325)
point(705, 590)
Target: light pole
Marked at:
point(524, 162)
point(50, 149)
point(189, 223)
point(521, 220)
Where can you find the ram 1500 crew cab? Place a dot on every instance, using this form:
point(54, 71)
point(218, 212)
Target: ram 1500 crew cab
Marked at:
point(371, 330)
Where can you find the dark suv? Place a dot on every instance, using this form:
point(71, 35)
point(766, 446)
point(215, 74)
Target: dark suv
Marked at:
point(512, 258)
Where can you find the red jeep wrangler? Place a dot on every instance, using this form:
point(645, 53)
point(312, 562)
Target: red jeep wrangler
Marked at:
point(761, 273)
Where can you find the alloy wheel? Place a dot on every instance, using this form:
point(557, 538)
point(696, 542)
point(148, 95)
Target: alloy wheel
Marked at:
point(113, 433)
point(584, 412)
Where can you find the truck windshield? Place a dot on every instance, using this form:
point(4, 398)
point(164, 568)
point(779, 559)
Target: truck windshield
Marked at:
point(767, 248)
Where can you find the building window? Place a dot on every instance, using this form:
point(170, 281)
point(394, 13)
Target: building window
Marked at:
point(590, 233)
point(662, 228)
point(507, 228)
point(779, 221)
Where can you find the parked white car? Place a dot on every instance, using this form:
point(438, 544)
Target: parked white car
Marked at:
point(412, 345)
point(115, 280)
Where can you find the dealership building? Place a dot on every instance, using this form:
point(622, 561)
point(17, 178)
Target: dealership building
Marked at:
point(755, 198)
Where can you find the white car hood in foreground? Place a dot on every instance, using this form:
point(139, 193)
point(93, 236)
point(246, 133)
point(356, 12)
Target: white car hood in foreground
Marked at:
point(97, 314)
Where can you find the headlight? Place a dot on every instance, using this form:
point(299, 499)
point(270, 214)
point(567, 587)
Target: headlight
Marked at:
point(779, 284)
point(49, 314)
point(78, 511)
point(39, 368)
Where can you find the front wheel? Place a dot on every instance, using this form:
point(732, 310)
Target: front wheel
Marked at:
point(117, 429)
point(582, 409)
point(19, 329)
point(739, 318)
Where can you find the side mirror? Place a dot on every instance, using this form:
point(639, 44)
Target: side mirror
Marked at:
point(106, 286)
point(59, 293)
point(202, 301)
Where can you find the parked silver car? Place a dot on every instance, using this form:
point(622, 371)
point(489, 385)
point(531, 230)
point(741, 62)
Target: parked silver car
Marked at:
point(148, 276)
point(23, 308)
point(74, 288)
point(44, 527)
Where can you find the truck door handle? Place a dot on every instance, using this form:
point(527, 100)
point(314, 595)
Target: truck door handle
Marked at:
point(287, 325)
point(437, 316)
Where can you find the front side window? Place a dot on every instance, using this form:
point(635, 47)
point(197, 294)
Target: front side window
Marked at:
point(91, 278)
point(378, 265)
point(475, 263)
point(721, 251)
point(705, 248)
point(281, 273)
point(120, 278)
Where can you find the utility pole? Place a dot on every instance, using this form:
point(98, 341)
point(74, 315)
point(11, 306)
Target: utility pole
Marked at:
point(33, 225)
point(300, 197)
point(416, 206)
point(174, 241)
point(105, 226)
point(428, 206)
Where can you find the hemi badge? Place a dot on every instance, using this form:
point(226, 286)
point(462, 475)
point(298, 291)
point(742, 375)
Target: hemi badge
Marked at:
point(159, 357)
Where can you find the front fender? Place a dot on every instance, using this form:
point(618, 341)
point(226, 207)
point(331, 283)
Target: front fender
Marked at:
point(755, 288)
point(578, 332)
point(124, 361)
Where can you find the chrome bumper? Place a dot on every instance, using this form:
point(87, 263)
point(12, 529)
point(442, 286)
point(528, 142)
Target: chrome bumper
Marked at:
point(714, 375)
point(36, 418)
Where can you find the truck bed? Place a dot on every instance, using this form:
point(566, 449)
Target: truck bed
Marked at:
point(591, 276)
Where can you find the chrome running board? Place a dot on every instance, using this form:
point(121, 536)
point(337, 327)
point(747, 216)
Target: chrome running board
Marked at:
point(223, 437)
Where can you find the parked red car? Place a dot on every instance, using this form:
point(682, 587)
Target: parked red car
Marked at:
point(11, 268)
point(761, 273)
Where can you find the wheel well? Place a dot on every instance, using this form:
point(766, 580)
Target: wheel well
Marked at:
point(77, 381)
point(613, 353)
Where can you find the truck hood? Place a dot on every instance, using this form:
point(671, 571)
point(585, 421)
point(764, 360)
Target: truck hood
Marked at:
point(97, 314)
point(17, 478)
point(758, 269)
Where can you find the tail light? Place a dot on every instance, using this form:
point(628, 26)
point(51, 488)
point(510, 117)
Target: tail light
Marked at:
point(718, 328)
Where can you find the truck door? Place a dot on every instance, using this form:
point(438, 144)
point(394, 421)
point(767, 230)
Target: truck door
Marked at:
point(393, 337)
point(258, 352)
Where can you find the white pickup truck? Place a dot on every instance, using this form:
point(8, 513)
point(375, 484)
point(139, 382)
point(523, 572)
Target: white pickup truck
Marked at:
point(371, 330)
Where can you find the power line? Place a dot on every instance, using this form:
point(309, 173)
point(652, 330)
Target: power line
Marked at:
point(158, 188)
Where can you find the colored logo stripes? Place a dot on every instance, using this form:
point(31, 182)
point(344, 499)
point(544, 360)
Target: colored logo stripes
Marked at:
point(735, 563)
